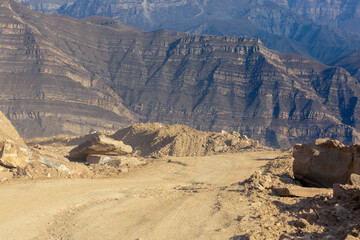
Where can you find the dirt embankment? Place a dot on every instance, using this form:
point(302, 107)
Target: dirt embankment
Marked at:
point(156, 139)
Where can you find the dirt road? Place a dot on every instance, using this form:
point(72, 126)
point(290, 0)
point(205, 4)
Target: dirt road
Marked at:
point(180, 199)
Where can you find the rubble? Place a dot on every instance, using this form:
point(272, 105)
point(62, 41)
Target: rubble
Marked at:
point(346, 192)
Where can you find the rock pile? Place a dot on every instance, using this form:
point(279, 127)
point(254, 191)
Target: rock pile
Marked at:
point(17, 160)
point(156, 139)
point(325, 162)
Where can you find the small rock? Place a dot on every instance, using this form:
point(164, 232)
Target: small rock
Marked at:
point(341, 213)
point(124, 170)
point(256, 205)
point(28, 174)
point(298, 191)
point(266, 183)
point(3, 169)
point(351, 237)
point(218, 148)
point(301, 223)
point(49, 175)
point(258, 186)
point(312, 217)
point(4, 179)
point(354, 179)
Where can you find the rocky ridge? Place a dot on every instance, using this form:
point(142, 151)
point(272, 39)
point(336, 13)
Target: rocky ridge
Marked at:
point(62, 75)
point(343, 14)
point(279, 27)
point(351, 63)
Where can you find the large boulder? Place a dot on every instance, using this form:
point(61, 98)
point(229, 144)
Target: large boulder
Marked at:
point(323, 163)
point(13, 150)
point(12, 155)
point(100, 145)
point(8, 132)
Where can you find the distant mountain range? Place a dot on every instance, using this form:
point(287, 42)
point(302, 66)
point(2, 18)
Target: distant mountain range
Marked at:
point(344, 14)
point(63, 75)
point(284, 25)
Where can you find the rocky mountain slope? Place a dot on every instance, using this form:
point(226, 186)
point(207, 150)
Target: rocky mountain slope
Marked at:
point(46, 89)
point(343, 14)
point(351, 63)
point(277, 26)
point(62, 75)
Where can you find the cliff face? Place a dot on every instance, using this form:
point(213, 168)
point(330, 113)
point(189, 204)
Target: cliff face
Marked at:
point(278, 26)
point(65, 75)
point(344, 14)
point(45, 87)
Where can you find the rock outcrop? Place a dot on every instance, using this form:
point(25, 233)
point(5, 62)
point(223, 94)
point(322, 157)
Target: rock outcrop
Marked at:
point(100, 145)
point(8, 132)
point(325, 162)
point(13, 150)
point(13, 156)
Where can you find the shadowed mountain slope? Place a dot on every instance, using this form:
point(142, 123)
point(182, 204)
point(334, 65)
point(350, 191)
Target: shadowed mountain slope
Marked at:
point(344, 14)
point(62, 75)
point(351, 63)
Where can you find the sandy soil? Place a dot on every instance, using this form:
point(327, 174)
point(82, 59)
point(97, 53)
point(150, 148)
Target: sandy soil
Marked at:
point(184, 198)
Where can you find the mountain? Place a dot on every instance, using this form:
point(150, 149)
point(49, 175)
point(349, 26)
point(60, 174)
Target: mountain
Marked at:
point(344, 14)
point(44, 6)
point(62, 75)
point(46, 89)
point(351, 63)
point(279, 27)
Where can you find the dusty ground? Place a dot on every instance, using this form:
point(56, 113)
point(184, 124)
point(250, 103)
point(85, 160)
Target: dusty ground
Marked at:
point(170, 198)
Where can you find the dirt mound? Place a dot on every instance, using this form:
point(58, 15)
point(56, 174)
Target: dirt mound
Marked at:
point(156, 139)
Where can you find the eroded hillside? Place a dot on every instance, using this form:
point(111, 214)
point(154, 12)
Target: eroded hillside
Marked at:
point(62, 75)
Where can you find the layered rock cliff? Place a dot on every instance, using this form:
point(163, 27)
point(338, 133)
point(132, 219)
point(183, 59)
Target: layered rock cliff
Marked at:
point(45, 87)
point(274, 22)
point(279, 28)
point(344, 14)
point(351, 63)
point(65, 75)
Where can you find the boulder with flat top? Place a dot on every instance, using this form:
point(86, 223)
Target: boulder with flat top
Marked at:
point(323, 163)
point(100, 145)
